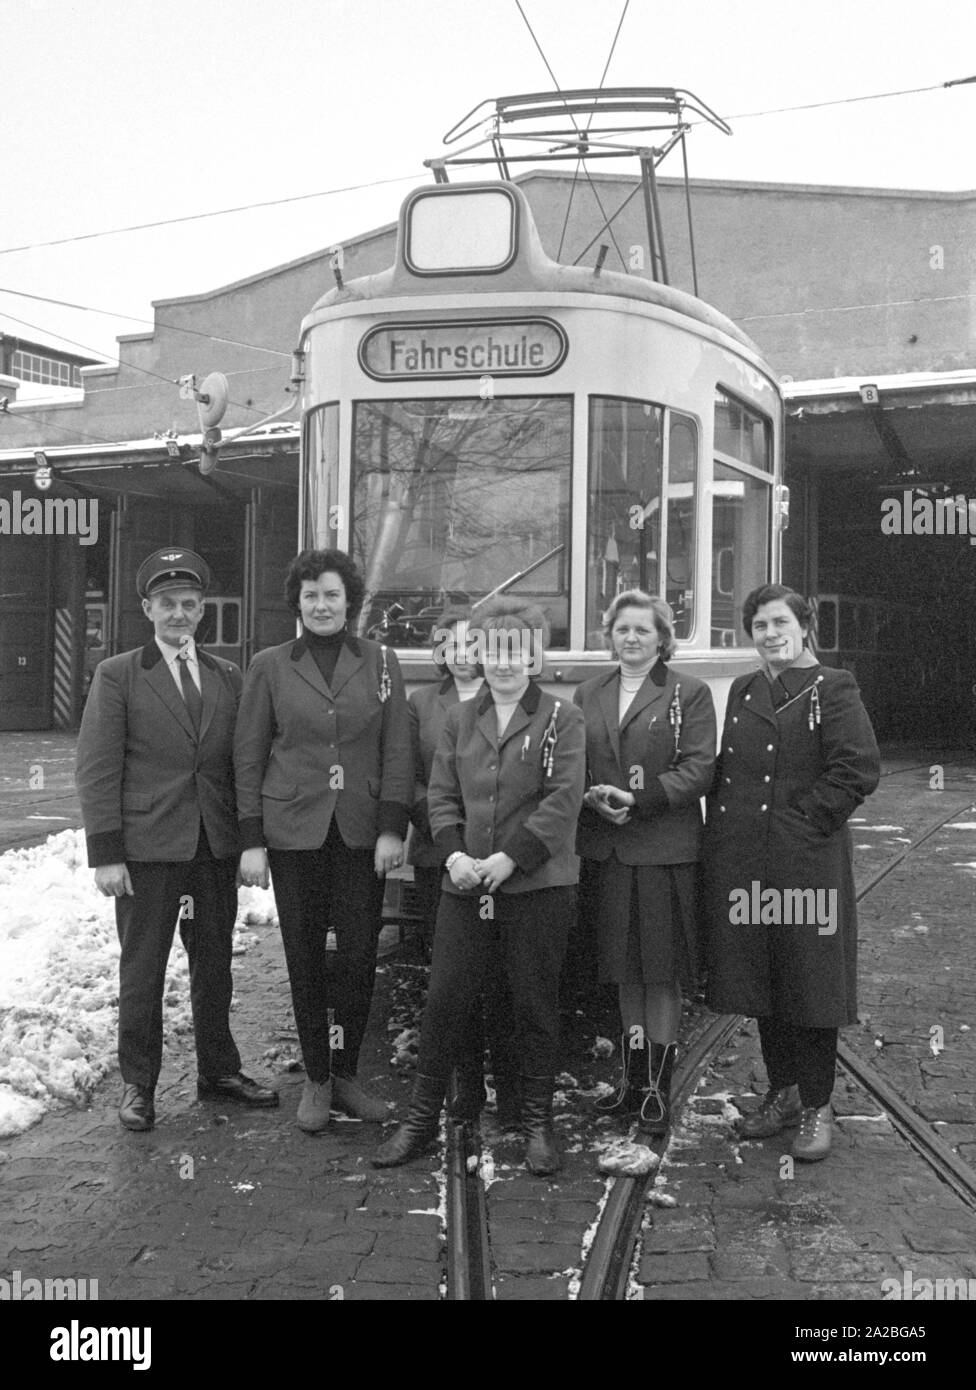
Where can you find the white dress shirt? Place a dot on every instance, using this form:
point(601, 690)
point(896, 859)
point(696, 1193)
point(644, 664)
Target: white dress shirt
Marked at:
point(172, 655)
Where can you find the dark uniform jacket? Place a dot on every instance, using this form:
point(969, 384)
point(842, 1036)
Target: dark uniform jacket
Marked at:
point(785, 786)
point(145, 781)
point(487, 795)
point(665, 826)
point(306, 751)
point(427, 707)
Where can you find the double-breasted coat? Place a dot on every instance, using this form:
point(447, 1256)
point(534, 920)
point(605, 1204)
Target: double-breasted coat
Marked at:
point(667, 774)
point(145, 779)
point(519, 794)
point(786, 782)
point(306, 752)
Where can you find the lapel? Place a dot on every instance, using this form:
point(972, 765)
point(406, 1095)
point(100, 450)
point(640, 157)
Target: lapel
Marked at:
point(350, 661)
point(757, 698)
point(609, 701)
point(652, 694)
point(521, 716)
point(157, 675)
point(209, 689)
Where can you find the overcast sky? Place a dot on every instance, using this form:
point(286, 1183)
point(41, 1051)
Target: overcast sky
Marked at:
point(130, 111)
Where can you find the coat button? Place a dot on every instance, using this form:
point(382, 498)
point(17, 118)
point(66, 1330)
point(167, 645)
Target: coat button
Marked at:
point(730, 750)
point(728, 781)
point(766, 778)
point(721, 808)
point(764, 807)
point(748, 697)
point(769, 747)
point(735, 719)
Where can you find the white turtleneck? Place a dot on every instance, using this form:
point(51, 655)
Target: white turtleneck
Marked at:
point(467, 690)
point(631, 680)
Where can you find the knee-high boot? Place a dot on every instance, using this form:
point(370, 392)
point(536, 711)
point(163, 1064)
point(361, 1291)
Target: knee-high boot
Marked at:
point(418, 1131)
point(629, 1094)
point(542, 1155)
point(655, 1115)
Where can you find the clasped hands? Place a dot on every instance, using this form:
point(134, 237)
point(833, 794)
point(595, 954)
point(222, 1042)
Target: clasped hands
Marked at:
point(467, 872)
point(612, 803)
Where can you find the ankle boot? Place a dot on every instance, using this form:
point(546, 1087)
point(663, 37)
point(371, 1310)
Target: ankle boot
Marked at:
point(418, 1131)
point(542, 1156)
point(655, 1115)
point(508, 1099)
point(629, 1093)
point(468, 1100)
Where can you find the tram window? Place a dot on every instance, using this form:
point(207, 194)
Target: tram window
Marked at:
point(741, 432)
point(320, 464)
point(680, 538)
point(454, 499)
point(624, 503)
point(740, 548)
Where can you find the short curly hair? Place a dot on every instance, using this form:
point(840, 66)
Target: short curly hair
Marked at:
point(801, 608)
point(504, 613)
point(309, 564)
point(661, 616)
point(452, 615)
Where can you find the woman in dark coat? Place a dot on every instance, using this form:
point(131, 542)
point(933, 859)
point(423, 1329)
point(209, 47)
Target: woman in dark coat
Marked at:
point(324, 787)
point(650, 752)
point(428, 707)
point(798, 756)
point(504, 796)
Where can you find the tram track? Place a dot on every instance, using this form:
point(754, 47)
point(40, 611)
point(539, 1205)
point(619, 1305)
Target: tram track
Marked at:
point(606, 1269)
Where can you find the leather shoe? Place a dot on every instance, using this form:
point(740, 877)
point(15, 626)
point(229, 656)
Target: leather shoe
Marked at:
point(240, 1088)
point(352, 1099)
point(136, 1110)
point(812, 1142)
point(779, 1110)
point(314, 1106)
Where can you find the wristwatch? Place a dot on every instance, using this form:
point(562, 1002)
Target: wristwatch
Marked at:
point(453, 858)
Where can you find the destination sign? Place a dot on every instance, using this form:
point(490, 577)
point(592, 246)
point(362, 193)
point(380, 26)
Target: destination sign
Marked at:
point(495, 347)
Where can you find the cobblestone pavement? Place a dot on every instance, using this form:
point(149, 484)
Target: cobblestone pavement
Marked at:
point(219, 1203)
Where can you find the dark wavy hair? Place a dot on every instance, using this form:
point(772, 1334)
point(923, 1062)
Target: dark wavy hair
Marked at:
point(309, 564)
point(452, 615)
point(802, 609)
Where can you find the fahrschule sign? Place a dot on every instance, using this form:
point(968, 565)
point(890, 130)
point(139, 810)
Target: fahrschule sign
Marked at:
point(463, 348)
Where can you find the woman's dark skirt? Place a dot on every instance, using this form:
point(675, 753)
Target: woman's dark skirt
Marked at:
point(647, 924)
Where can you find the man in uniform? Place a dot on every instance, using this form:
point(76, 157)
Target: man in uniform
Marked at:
point(155, 779)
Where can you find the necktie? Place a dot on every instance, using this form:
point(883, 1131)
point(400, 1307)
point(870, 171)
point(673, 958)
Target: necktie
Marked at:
point(191, 695)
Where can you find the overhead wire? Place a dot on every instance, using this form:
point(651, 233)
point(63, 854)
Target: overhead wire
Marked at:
point(586, 171)
point(137, 318)
point(201, 216)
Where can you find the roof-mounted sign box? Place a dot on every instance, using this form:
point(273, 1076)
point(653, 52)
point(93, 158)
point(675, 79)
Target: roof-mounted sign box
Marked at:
point(459, 231)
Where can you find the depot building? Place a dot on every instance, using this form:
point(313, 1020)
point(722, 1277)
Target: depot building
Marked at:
point(859, 298)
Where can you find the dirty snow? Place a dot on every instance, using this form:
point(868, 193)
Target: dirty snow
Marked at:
point(59, 978)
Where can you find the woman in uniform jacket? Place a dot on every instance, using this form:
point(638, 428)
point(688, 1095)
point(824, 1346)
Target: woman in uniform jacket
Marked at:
point(504, 794)
point(650, 752)
point(428, 706)
point(798, 755)
point(324, 786)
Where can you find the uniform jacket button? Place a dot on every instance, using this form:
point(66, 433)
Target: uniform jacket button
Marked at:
point(764, 807)
point(728, 781)
point(735, 719)
point(766, 778)
point(721, 808)
point(730, 750)
point(769, 747)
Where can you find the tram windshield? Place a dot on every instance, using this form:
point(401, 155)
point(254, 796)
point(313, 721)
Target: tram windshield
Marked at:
point(456, 499)
point(643, 465)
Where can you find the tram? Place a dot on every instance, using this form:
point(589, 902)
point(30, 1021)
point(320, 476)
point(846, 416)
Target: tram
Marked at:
point(479, 419)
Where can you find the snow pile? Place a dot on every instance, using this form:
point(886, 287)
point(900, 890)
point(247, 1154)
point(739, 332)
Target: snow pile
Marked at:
point(627, 1158)
point(59, 955)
